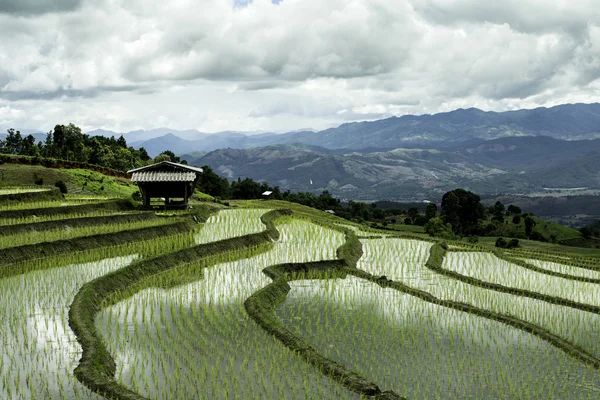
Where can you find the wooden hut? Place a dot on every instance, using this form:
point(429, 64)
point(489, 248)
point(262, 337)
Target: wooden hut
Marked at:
point(167, 180)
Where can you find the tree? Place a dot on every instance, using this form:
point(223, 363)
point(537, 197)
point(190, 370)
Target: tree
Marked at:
point(162, 157)
point(245, 189)
point(498, 211)
point(586, 231)
point(61, 186)
point(17, 144)
point(143, 154)
point(122, 142)
point(430, 211)
point(462, 209)
point(29, 148)
point(412, 213)
point(501, 243)
point(436, 227)
point(516, 219)
point(512, 244)
point(13, 142)
point(529, 224)
point(512, 209)
point(167, 155)
point(211, 183)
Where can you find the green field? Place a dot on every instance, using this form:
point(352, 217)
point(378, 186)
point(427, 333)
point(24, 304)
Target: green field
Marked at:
point(268, 299)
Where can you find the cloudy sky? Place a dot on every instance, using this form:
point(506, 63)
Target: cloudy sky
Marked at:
point(272, 65)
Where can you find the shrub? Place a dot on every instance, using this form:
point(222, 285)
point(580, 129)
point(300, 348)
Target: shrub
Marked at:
point(62, 186)
point(537, 236)
point(137, 196)
point(472, 239)
point(38, 180)
point(516, 219)
point(513, 244)
point(436, 227)
point(503, 244)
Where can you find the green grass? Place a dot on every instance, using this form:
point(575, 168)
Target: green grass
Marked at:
point(298, 209)
point(97, 183)
point(14, 175)
point(202, 196)
point(547, 229)
point(407, 228)
point(552, 248)
point(82, 182)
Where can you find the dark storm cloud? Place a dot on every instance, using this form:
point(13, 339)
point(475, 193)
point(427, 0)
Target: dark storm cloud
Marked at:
point(14, 95)
point(35, 7)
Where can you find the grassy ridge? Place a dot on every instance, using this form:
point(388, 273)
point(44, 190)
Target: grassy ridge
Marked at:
point(501, 255)
point(435, 264)
point(120, 205)
point(49, 194)
point(76, 222)
point(14, 255)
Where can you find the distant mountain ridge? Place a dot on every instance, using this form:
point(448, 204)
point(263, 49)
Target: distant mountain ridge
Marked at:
point(448, 129)
point(514, 165)
point(409, 157)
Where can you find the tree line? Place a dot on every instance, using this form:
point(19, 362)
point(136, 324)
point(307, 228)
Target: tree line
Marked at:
point(66, 142)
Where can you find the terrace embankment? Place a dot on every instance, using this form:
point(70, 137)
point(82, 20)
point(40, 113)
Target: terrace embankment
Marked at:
point(261, 307)
point(120, 205)
point(37, 195)
point(15, 255)
point(97, 368)
point(501, 255)
point(434, 263)
point(590, 263)
point(77, 222)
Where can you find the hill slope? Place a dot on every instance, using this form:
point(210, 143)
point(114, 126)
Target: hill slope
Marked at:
point(506, 165)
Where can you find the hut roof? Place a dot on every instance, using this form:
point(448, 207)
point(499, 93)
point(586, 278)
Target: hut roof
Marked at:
point(165, 171)
point(165, 166)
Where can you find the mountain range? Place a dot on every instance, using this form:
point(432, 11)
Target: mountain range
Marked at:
point(412, 157)
point(443, 130)
point(516, 165)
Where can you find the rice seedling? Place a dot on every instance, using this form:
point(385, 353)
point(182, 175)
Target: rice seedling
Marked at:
point(184, 332)
point(196, 340)
point(38, 350)
point(231, 223)
point(564, 268)
point(426, 351)
point(489, 268)
point(404, 261)
point(361, 231)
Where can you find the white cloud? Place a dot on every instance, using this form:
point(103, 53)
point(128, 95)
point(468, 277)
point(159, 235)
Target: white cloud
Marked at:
point(215, 65)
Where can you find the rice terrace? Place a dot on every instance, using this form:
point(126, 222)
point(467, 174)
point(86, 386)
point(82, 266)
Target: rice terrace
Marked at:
point(265, 299)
